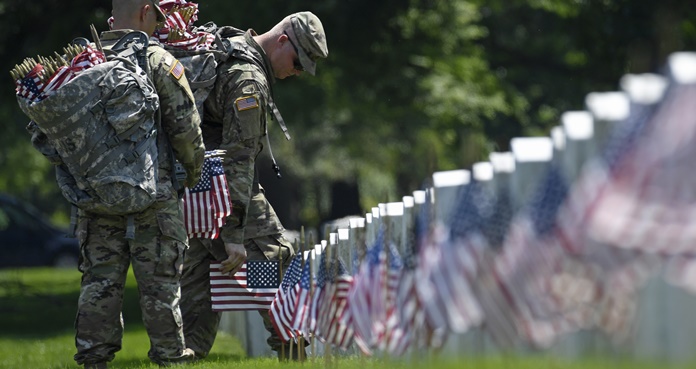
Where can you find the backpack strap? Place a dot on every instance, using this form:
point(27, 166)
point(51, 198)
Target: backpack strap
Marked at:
point(140, 50)
point(241, 52)
point(195, 85)
point(178, 186)
point(130, 227)
point(72, 230)
point(134, 43)
point(142, 41)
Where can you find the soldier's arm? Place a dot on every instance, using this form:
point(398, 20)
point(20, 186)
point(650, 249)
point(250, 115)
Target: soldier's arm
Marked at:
point(180, 118)
point(244, 121)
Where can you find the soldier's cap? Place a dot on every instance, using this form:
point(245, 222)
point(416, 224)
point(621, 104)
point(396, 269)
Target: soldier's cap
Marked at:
point(161, 17)
point(308, 34)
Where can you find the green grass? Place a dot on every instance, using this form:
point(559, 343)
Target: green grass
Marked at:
point(37, 307)
point(37, 310)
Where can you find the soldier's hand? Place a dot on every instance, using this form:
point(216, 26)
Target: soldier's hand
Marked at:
point(192, 179)
point(236, 255)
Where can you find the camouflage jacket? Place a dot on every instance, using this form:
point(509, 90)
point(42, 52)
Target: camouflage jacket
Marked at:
point(235, 120)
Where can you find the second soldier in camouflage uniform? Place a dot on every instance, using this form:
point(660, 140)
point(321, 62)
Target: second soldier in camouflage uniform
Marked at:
point(236, 120)
point(157, 251)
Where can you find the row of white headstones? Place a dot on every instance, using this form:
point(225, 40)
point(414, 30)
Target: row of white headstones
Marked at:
point(664, 328)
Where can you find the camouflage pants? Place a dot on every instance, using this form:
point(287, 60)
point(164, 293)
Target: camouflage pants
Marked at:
point(200, 321)
point(156, 256)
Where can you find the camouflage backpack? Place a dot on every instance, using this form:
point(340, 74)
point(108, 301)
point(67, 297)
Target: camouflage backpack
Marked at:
point(103, 124)
point(201, 65)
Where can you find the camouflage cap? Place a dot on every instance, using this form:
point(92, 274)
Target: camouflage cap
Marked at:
point(308, 34)
point(161, 17)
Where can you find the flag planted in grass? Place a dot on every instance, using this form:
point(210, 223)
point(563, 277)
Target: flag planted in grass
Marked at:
point(251, 288)
point(283, 305)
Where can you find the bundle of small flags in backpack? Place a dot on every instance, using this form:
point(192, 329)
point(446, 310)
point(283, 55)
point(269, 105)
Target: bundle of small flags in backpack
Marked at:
point(178, 31)
point(36, 80)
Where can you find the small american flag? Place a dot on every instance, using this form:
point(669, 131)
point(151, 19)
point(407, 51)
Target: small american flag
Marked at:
point(315, 304)
point(31, 86)
point(534, 254)
point(301, 296)
point(334, 324)
point(340, 326)
point(366, 296)
point(207, 204)
point(251, 288)
point(403, 323)
point(283, 304)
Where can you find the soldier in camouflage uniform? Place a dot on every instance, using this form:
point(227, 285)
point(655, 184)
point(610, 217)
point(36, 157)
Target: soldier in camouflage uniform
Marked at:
point(236, 115)
point(157, 251)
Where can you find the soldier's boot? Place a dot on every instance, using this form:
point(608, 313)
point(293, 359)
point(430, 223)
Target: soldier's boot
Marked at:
point(187, 357)
point(100, 365)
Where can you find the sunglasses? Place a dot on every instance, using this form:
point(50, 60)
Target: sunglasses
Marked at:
point(296, 62)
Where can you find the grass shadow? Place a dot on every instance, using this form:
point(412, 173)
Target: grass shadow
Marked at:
point(224, 357)
point(43, 303)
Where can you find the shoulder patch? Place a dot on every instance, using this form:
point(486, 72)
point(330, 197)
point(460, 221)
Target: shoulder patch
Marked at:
point(177, 70)
point(246, 103)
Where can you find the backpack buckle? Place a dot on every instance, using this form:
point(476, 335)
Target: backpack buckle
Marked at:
point(151, 133)
point(112, 142)
point(131, 157)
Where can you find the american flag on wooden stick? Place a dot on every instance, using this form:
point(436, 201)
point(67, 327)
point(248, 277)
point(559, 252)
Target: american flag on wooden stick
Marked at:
point(251, 288)
point(366, 296)
point(333, 320)
point(207, 204)
point(317, 298)
point(301, 294)
point(283, 305)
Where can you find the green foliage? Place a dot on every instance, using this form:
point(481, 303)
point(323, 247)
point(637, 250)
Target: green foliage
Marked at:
point(28, 29)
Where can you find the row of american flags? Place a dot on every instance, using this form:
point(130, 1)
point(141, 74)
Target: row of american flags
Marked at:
point(573, 257)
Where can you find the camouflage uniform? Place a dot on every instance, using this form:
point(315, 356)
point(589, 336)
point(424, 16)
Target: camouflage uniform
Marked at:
point(253, 221)
point(236, 114)
point(157, 251)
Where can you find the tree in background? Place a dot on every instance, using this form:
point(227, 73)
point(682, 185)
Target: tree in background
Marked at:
point(30, 29)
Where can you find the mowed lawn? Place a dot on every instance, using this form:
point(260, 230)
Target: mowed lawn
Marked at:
point(37, 308)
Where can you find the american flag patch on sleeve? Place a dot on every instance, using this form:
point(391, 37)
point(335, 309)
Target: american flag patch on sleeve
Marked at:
point(246, 103)
point(177, 70)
